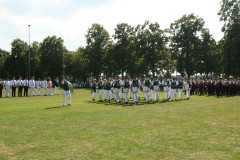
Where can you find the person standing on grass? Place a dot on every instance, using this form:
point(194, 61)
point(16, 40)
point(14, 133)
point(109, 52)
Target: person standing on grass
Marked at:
point(25, 83)
point(94, 89)
point(100, 88)
point(66, 91)
point(57, 86)
point(1, 87)
point(38, 86)
point(50, 92)
point(7, 85)
point(32, 86)
point(44, 86)
point(20, 86)
point(13, 86)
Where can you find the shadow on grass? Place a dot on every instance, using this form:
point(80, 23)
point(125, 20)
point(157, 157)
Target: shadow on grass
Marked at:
point(56, 107)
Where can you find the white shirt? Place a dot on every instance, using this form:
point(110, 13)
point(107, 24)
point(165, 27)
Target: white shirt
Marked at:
point(20, 82)
point(31, 84)
point(38, 84)
point(7, 84)
point(13, 83)
point(25, 82)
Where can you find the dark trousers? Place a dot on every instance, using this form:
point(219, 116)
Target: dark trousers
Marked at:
point(20, 88)
point(25, 91)
point(13, 91)
point(1, 91)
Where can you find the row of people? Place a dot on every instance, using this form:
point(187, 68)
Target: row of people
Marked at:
point(24, 85)
point(113, 89)
point(220, 87)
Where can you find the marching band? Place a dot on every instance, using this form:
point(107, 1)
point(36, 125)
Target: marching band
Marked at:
point(170, 88)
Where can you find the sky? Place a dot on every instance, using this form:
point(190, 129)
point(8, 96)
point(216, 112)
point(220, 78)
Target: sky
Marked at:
point(70, 19)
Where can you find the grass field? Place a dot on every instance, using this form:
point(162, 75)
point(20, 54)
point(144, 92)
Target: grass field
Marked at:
point(40, 128)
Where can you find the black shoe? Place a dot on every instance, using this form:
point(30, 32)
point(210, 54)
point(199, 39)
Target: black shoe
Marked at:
point(69, 104)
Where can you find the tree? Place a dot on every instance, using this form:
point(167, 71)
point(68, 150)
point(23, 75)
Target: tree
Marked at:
point(152, 41)
point(185, 42)
point(35, 59)
point(97, 41)
point(123, 48)
point(18, 61)
point(4, 55)
point(52, 50)
point(230, 15)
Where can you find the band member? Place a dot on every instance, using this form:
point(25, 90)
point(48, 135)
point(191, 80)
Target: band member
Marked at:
point(129, 91)
point(126, 86)
point(112, 96)
point(66, 91)
point(1, 87)
point(146, 88)
point(20, 85)
point(174, 85)
point(50, 92)
point(25, 82)
point(44, 86)
point(38, 86)
point(93, 86)
point(190, 86)
point(180, 89)
point(14, 86)
point(166, 84)
point(104, 89)
point(156, 85)
point(57, 86)
point(116, 89)
point(108, 89)
point(32, 86)
point(100, 88)
point(121, 88)
point(7, 86)
point(135, 87)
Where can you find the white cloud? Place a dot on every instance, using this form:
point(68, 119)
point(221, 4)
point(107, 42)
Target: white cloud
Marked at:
point(73, 27)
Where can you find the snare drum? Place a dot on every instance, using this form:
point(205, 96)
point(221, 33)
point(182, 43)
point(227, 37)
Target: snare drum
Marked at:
point(125, 90)
point(134, 89)
point(156, 88)
point(165, 89)
point(145, 89)
point(115, 90)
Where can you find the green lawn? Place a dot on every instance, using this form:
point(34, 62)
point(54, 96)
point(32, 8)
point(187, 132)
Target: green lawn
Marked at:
point(40, 128)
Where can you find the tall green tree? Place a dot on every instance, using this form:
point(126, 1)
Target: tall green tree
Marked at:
point(35, 59)
point(152, 42)
point(4, 55)
point(123, 47)
point(186, 42)
point(230, 15)
point(18, 60)
point(52, 50)
point(97, 39)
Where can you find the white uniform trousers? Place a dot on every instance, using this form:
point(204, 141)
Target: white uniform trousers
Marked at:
point(146, 96)
point(138, 95)
point(38, 91)
point(126, 97)
point(57, 90)
point(108, 93)
point(165, 95)
point(7, 91)
point(66, 93)
point(156, 97)
point(135, 98)
point(173, 94)
point(180, 94)
point(152, 94)
point(100, 93)
point(111, 95)
point(105, 94)
point(120, 94)
point(32, 91)
point(169, 92)
point(50, 92)
point(93, 94)
point(129, 93)
point(117, 95)
point(188, 93)
point(45, 91)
